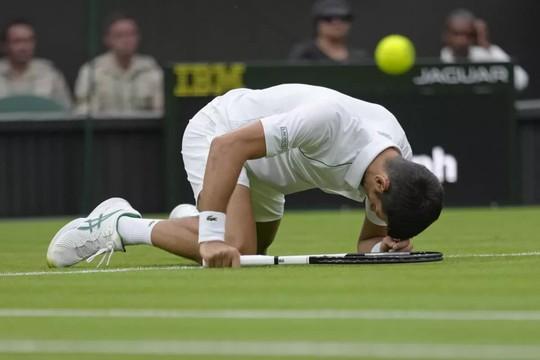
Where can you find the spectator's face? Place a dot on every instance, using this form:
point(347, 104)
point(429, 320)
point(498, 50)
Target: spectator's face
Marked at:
point(20, 44)
point(334, 27)
point(459, 36)
point(123, 38)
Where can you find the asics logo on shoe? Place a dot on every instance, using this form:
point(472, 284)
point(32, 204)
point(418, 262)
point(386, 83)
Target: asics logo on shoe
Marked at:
point(211, 218)
point(96, 222)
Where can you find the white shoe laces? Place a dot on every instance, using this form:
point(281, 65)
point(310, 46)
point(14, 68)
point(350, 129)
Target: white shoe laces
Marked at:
point(109, 249)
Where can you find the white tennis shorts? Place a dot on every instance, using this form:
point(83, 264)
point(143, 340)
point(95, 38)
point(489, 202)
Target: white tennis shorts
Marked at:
point(267, 203)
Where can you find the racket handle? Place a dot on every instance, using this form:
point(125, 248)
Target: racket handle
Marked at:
point(262, 260)
point(256, 260)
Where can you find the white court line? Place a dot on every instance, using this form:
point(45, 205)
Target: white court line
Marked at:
point(530, 253)
point(98, 271)
point(193, 267)
point(269, 314)
point(314, 349)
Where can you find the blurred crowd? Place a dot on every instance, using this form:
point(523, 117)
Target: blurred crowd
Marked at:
point(465, 39)
point(122, 81)
point(118, 82)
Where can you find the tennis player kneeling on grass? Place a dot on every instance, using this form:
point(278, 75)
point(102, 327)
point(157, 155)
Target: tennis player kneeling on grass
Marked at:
point(247, 149)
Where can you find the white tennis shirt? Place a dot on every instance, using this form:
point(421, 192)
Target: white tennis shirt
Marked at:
point(315, 137)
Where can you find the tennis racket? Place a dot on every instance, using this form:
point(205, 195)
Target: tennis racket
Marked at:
point(342, 259)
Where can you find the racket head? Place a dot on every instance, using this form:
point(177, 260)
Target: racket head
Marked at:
point(378, 258)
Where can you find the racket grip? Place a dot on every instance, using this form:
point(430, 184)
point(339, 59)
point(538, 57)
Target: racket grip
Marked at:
point(262, 260)
point(256, 260)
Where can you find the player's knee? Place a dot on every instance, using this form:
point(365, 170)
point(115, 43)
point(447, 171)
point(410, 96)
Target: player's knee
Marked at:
point(262, 249)
point(266, 232)
point(263, 243)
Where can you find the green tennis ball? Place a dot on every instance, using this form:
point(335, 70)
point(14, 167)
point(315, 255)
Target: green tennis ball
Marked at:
point(395, 54)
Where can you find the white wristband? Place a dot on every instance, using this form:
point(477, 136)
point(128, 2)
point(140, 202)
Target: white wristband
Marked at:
point(211, 226)
point(377, 247)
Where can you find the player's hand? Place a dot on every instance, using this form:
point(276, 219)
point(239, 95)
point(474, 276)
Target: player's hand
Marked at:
point(482, 33)
point(390, 244)
point(219, 254)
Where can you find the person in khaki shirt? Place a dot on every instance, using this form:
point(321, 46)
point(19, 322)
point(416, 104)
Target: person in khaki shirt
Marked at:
point(22, 74)
point(120, 81)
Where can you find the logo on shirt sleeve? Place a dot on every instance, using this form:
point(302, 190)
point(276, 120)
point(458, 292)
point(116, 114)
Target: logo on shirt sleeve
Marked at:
point(284, 143)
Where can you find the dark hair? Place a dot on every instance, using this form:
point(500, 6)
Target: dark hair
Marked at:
point(12, 23)
point(414, 199)
point(114, 18)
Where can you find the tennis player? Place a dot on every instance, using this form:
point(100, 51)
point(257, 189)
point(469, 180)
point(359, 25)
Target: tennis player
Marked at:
point(246, 150)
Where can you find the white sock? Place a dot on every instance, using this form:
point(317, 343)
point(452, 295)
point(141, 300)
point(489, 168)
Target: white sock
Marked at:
point(135, 231)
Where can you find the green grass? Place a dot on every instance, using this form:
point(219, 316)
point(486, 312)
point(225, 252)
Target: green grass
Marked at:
point(500, 284)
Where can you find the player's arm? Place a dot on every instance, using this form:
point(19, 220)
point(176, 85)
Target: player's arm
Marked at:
point(370, 235)
point(373, 234)
point(227, 156)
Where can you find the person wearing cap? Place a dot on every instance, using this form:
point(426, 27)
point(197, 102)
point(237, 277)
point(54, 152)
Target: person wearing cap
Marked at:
point(332, 24)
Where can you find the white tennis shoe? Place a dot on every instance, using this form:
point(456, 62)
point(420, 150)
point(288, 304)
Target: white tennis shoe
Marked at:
point(86, 238)
point(183, 210)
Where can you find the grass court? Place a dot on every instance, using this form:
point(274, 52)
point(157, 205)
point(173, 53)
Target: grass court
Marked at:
point(481, 302)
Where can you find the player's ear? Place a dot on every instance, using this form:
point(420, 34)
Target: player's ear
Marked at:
point(382, 183)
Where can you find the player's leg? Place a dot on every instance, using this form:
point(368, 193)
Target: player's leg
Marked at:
point(114, 224)
point(177, 236)
point(266, 233)
point(265, 204)
point(180, 236)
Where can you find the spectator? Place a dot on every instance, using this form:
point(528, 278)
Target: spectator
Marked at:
point(120, 81)
point(22, 74)
point(466, 38)
point(332, 24)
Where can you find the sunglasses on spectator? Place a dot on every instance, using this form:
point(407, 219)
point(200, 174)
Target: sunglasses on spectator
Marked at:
point(330, 18)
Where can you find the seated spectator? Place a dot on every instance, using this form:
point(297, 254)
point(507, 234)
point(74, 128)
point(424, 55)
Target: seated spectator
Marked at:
point(120, 81)
point(21, 74)
point(466, 38)
point(332, 20)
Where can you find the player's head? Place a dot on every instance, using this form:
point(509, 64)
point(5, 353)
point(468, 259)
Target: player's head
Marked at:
point(19, 41)
point(460, 33)
point(332, 18)
point(408, 196)
point(122, 35)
